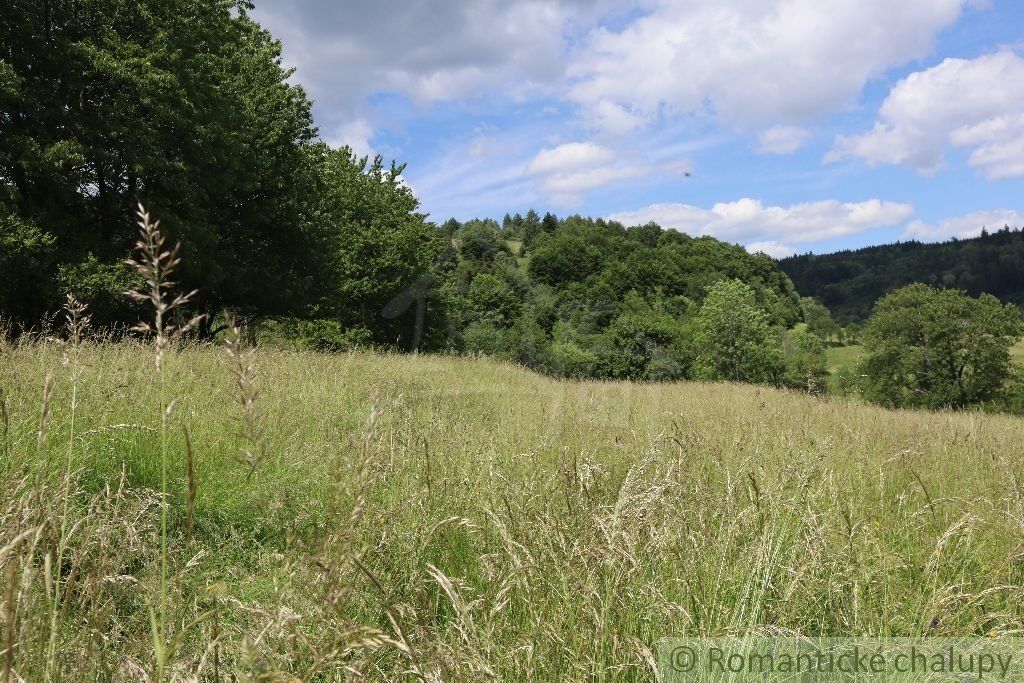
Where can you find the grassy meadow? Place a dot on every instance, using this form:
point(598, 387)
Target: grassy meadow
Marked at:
point(433, 518)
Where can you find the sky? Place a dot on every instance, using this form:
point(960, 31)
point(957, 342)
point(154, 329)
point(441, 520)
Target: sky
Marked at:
point(787, 126)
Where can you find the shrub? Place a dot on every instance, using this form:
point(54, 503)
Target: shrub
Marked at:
point(328, 335)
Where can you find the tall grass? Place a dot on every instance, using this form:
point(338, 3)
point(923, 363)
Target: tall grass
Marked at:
point(157, 264)
point(336, 517)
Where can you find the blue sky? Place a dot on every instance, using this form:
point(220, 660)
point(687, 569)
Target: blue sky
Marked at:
point(784, 125)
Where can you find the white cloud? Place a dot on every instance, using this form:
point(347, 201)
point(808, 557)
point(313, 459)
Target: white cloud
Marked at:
point(782, 139)
point(566, 172)
point(772, 248)
point(969, 225)
point(356, 134)
point(566, 189)
point(436, 50)
point(975, 104)
point(751, 61)
point(750, 221)
point(571, 156)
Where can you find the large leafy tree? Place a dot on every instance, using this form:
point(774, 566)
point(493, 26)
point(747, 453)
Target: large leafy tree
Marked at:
point(183, 105)
point(937, 348)
point(380, 251)
point(733, 338)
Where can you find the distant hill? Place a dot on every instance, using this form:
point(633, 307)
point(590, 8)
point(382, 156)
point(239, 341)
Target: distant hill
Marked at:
point(849, 282)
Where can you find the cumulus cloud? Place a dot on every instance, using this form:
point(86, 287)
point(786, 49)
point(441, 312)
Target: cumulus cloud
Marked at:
point(571, 156)
point(969, 225)
point(437, 50)
point(782, 139)
point(975, 104)
point(566, 172)
point(772, 227)
point(355, 134)
point(751, 61)
point(772, 248)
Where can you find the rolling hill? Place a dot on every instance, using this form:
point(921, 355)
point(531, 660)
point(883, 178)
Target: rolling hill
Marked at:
point(849, 282)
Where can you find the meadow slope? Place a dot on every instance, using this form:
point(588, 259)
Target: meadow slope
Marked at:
point(484, 522)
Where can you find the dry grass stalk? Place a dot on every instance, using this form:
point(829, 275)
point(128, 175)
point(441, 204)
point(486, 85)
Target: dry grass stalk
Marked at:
point(44, 415)
point(157, 265)
point(5, 424)
point(193, 486)
point(77, 323)
point(243, 368)
point(10, 615)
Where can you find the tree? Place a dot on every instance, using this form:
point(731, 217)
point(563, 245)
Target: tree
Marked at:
point(818, 318)
point(530, 228)
point(381, 249)
point(549, 223)
point(806, 366)
point(492, 299)
point(182, 105)
point(450, 227)
point(26, 254)
point(479, 241)
point(934, 348)
point(732, 336)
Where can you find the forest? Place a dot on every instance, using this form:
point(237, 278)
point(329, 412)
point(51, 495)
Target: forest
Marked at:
point(850, 282)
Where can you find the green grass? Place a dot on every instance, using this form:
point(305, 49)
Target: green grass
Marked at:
point(842, 356)
point(492, 522)
point(1017, 352)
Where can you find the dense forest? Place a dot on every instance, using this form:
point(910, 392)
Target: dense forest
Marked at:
point(850, 282)
point(588, 298)
point(186, 108)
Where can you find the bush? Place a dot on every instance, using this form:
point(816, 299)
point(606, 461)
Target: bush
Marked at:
point(482, 337)
point(101, 287)
point(568, 359)
point(328, 335)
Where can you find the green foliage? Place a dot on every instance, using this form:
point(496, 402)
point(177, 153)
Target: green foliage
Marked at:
point(565, 257)
point(818, 318)
point(491, 298)
point(185, 106)
point(595, 299)
point(849, 282)
point(806, 366)
point(26, 255)
point(734, 340)
point(935, 348)
point(644, 339)
point(483, 337)
point(1011, 397)
point(328, 335)
point(380, 248)
point(479, 241)
point(101, 287)
point(568, 359)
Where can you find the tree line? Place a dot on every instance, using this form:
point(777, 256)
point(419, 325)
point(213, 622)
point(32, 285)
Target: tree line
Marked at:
point(187, 108)
point(850, 282)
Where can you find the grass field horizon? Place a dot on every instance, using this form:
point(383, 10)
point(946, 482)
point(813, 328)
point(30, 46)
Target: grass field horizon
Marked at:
point(467, 519)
